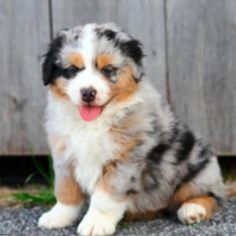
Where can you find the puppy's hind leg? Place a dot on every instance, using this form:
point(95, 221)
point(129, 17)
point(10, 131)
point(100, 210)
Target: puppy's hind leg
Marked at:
point(200, 198)
point(197, 209)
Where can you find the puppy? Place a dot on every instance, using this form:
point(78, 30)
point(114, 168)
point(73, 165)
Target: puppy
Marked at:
point(115, 141)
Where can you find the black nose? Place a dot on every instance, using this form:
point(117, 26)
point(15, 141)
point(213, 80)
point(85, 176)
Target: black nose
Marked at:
point(88, 94)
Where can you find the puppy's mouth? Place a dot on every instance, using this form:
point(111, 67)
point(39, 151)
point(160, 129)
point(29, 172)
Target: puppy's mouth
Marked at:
point(89, 112)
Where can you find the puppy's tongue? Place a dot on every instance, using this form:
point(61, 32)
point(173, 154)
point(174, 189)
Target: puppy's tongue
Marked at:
point(89, 113)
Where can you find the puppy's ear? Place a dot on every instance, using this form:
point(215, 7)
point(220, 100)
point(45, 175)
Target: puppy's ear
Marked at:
point(49, 66)
point(133, 49)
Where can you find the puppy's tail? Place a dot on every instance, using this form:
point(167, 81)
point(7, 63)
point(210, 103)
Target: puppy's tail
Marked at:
point(230, 190)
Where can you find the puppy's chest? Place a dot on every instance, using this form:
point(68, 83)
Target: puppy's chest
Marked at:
point(91, 150)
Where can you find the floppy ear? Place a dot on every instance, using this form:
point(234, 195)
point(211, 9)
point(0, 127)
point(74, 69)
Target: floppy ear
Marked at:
point(133, 49)
point(49, 66)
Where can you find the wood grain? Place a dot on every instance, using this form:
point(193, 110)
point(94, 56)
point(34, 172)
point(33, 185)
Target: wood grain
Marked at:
point(24, 30)
point(202, 67)
point(142, 19)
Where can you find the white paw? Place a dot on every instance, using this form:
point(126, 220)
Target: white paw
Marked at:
point(96, 225)
point(190, 213)
point(59, 216)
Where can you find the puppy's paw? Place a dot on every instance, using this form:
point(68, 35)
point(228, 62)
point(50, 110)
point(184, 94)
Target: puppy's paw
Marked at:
point(190, 213)
point(96, 225)
point(59, 216)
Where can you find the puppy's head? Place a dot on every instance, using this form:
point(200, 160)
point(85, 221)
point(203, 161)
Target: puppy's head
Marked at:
point(92, 66)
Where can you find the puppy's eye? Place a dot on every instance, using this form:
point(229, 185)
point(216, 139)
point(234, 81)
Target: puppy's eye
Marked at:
point(71, 72)
point(109, 71)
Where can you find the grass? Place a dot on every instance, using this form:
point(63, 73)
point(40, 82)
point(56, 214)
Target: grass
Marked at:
point(42, 195)
point(28, 196)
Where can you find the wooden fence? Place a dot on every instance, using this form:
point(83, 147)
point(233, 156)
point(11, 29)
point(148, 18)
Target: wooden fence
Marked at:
point(191, 58)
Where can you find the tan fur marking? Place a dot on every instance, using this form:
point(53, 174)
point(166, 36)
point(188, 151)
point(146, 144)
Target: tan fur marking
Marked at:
point(68, 191)
point(126, 142)
point(76, 60)
point(103, 182)
point(184, 193)
point(58, 88)
point(126, 85)
point(103, 60)
point(207, 202)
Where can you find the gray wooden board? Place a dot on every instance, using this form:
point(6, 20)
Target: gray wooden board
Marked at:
point(202, 67)
point(142, 19)
point(24, 30)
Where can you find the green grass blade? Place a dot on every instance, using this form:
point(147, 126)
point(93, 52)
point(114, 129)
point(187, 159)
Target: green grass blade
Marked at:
point(30, 177)
point(43, 197)
point(42, 171)
point(51, 173)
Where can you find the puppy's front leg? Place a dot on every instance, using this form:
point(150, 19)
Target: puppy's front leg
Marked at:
point(104, 213)
point(69, 198)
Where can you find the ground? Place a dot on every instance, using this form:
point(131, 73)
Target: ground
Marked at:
point(23, 221)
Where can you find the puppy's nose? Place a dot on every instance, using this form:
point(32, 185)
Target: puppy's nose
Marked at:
point(88, 94)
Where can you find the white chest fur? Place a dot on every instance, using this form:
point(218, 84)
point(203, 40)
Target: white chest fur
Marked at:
point(92, 148)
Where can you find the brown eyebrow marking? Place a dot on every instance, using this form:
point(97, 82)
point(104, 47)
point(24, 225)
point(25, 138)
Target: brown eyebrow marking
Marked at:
point(103, 60)
point(76, 59)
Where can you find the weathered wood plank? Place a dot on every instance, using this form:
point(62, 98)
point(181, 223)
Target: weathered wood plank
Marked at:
point(202, 67)
point(142, 19)
point(24, 30)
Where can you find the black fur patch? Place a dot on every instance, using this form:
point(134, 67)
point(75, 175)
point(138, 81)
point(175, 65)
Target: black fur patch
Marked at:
point(157, 152)
point(67, 73)
point(205, 150)
point(109, 34)
point(168, 139)
point(131, 191)
point(186, 145)
point(132, 49)
point(49, 67)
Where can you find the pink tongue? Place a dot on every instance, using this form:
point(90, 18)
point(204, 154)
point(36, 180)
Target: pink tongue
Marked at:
point(89, 113)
